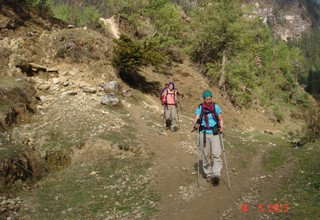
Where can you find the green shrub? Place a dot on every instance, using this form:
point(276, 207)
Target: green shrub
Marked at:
point(241, 79)
point(61, 53)
point(212, 70)
point(129, 55)
point(278, 113)
point(61, 12)
point(240, 99)
point(153, 54)
point(313, 119)
point(301, 97)
point(89, 16)
point(128, 9)
point(166, 18)
point(44, 6)
point(76, 14)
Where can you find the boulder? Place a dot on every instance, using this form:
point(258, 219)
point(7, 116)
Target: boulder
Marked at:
point(4, 22)
point(44, 86)
point(66, 83)
point(111, 86)
point(110, 99)
point(18, 136)
point(55, 80)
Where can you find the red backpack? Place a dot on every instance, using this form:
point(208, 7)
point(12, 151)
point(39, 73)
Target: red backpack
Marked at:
point(163, 97)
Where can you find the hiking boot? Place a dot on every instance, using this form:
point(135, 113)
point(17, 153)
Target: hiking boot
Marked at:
point(215, 180)
point(209, 179)
point(174, 129)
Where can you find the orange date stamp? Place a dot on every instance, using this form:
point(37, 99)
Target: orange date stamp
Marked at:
point(270, 208)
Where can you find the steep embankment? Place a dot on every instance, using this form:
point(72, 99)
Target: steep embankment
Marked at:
point(117, 162)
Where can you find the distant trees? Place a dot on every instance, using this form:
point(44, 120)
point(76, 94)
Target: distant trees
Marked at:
point(240, 54)
point(309, 44)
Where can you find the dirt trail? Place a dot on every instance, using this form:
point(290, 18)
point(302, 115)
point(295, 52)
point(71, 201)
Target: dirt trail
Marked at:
point(174, 163)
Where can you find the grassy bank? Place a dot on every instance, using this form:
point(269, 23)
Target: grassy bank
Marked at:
point(302, 191)
point(107, 189)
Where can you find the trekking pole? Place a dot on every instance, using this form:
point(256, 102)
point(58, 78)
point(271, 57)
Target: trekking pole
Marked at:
point(177, 115)
point(180, 105)
point(198, 170)
point(198, 152)
point(198, 165)
point(164, 119)
point(225, 159)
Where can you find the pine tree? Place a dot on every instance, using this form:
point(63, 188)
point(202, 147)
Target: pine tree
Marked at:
point(217, 32)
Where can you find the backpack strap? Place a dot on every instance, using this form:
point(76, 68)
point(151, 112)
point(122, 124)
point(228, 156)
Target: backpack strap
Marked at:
point(213, 113)
point(165, 98)
point(166, 91)
point(174, 96)
point(201, 114)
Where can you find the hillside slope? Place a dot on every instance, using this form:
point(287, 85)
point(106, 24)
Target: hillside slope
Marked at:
point(79, 159)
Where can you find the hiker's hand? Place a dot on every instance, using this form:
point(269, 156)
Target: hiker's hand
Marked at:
point(196, 126)
point(221, 129)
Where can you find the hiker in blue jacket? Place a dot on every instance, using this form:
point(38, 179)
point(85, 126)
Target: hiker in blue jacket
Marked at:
point(209, 122)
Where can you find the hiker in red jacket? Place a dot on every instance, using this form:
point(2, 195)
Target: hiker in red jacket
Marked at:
point(170, 100)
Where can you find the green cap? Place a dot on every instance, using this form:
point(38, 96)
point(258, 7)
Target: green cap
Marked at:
point(206, 94)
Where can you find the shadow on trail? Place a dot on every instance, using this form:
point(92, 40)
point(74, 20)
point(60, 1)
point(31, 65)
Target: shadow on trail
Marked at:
point(139, 82)
point(204, 176)
point(201, 171)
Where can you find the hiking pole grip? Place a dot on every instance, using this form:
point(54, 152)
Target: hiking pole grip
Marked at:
point(195, 128)
point(225, 159)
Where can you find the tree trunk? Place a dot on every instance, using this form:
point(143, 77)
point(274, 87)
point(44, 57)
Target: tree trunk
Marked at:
point(222, 79)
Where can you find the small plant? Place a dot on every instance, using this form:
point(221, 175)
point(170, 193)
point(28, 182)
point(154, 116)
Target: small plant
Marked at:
point(61, 53)
point(313, 120)
point(278, 114)
point(89, 16)
point(61, 12)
